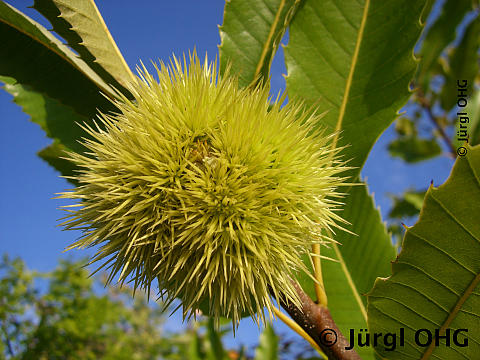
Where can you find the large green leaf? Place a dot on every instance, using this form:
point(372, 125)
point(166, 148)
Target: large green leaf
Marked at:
point(35, 58)
point(251, 33)
point(55, 87)
point(354, 60)
point(80, 23)
point(57, 120)
point(435, 279)
point(60, 122)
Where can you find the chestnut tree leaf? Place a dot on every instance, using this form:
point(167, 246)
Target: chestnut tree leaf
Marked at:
point(435, 279)
point(54, 155)
point(59, 121)
point(354, 61)
point(80, 23)
point(56, 119)
point(250, 36)
point(34, 57)
point(50, 83)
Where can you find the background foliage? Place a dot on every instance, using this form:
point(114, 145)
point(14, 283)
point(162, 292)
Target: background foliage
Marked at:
point(64, 314)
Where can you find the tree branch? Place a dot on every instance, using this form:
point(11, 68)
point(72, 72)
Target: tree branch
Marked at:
point(317, 322)
point(426, 105)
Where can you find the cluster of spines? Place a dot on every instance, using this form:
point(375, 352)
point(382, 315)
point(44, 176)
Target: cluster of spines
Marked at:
point(209, 188)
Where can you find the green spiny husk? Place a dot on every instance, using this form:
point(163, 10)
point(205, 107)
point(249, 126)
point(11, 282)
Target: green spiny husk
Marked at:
point(208, 188)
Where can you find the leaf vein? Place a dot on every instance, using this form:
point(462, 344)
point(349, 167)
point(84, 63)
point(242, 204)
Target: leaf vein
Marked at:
point(430, 276)
point(320, 55)
point(270, 39)
point(246, 28)
point(238, 46)
point(432, 300)
point(454, 312)
point(473, 272)
point(351, 72)
point(349, 22)
point(435, 324)
point(346, 51)
point(301, 67)
point(350, 281)
point(448, 212)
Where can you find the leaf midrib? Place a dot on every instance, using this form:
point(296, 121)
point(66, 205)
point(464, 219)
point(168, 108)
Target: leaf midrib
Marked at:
point(266, 46)
point(476, 280)
point(350, 281)
point(338, 127)
point(453, 314)
point(351, 72)
point(112, 42)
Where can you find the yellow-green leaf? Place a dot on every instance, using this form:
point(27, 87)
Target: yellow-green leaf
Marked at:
point(80, 23)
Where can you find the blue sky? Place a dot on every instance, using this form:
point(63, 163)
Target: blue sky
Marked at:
point(143, 30)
